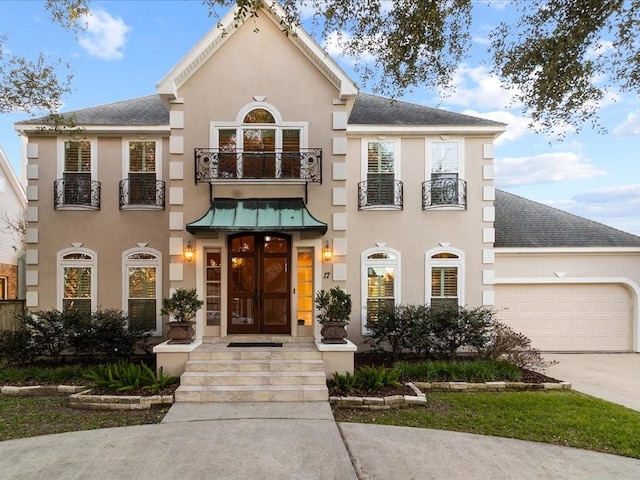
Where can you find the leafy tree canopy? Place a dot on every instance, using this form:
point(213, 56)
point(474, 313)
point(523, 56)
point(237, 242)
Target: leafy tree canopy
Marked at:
point(561, 56)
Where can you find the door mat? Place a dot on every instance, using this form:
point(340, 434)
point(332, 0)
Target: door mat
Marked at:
point(255, 344)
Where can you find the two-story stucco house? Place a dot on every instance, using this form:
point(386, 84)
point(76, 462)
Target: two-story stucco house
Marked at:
point(13, 203)
point(258, 179)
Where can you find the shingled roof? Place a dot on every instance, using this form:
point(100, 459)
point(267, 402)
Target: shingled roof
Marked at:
point(524, 223)
point(148, 111)
point(374, 110)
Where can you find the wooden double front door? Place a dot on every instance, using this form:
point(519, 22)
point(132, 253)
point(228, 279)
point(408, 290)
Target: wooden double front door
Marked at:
point(259, 284)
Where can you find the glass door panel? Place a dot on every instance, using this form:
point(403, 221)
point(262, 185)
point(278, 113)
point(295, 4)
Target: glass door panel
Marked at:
point(259, 284)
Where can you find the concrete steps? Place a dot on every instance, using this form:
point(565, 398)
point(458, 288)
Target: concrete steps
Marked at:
point(217, 373)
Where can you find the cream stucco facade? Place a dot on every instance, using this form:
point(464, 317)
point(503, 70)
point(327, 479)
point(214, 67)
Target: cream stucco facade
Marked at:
point(391, 235)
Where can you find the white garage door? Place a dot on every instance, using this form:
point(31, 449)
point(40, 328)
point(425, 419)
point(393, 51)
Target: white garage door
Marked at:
point(575, 317)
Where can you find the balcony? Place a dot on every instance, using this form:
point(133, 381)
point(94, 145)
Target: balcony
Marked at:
point(76, 191)
point(142, 192)
point(304, 166)
point(380, 193)
point(444, 190)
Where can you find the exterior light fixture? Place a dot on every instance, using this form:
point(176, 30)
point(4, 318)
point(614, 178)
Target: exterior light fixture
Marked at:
point(188, 253)
point(327, 252)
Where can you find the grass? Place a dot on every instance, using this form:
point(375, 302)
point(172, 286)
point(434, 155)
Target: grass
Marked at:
point(558, 417)
point(31, 416)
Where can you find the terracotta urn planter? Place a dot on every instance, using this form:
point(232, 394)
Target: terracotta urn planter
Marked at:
point(182, 306)
point(333, 332)
point(180, 332)
point(334, 309)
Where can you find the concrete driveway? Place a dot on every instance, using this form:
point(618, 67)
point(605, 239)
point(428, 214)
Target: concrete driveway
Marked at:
point(611, 376)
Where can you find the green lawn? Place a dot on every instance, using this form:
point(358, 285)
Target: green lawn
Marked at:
point(30, 416)
point(558, 417)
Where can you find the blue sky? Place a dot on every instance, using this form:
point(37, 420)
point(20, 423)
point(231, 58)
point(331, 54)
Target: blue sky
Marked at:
point(131, 45)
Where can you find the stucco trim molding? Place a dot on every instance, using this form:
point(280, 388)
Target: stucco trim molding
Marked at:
point(633, 286)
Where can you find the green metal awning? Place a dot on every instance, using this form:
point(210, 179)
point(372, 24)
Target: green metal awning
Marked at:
point(257, 214)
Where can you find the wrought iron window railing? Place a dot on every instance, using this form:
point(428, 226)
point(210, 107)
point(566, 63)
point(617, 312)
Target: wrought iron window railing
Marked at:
point(444, 190)
point(141, 191)
point(212, 164)
point(380, 193)
point(76, 190)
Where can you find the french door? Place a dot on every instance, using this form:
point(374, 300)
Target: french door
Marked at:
point(259, 284)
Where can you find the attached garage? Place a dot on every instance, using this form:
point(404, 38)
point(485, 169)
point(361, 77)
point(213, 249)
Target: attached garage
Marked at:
point(569, 317)
point(568, 283)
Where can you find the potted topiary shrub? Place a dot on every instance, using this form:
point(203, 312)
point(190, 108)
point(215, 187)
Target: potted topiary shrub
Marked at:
point(182, 307)
point(334, 309)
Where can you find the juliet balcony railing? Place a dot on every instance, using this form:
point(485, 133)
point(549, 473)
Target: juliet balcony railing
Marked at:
point(304, 166)
point(444, 191)
point(380, 193)
point(138, 192)
point(76, 191)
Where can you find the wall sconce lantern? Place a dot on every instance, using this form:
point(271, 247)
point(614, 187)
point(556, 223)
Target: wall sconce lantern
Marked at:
point(327, 252)
point(188, 253)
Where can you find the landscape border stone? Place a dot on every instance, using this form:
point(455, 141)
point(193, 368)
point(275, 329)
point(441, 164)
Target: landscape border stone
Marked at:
point(85, 401)
point(81, 398)
point(395, 401)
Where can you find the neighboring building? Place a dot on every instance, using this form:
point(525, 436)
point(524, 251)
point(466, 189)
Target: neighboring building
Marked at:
point(259, 156)
point(13, 204)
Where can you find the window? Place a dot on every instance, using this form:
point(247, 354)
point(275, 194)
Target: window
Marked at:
point(142, 174)
point(444, 185)
point(143, 290)
point(445, 277)
point(304, 288)
point(76, 184)
point(380, 187)
point(77, 173)
point(380, 283)
point(214, 287)
point(77, 280)
point(261, 146)
point(2, 187)
point(3, 288)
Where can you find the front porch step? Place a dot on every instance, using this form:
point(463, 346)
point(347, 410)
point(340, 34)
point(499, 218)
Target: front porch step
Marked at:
point(217, 373)
point(253, 393)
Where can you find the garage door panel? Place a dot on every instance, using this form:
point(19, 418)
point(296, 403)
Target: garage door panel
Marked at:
point(569, 317)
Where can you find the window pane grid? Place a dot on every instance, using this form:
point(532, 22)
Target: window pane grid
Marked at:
point(444, 282)
point(77, 156)
point(305, 287)
point(142, 282)
point(142, 157)
point(77, 282)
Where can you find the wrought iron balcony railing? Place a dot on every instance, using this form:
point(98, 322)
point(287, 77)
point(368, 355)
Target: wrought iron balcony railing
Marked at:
point(140, 192)
point(76, 191)
point(304, 166)
point(444, 191)
point(380, 193)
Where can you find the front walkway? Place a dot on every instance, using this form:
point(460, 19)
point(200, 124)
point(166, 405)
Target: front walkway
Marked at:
point(296, 440)
point(611, 376)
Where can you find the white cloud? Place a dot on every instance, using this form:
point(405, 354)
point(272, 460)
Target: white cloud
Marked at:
point(105, 35)
point(517, 126)
point(475, 86)
point(630, 127)
point(544, 168)
point(615, 206)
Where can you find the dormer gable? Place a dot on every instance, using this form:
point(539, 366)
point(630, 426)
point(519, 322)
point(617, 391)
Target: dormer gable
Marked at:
point(220, 34)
